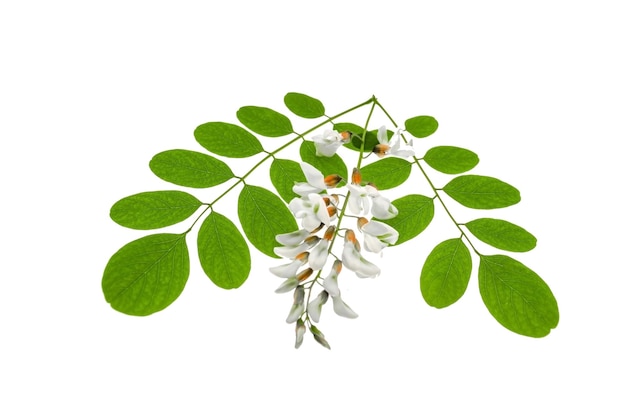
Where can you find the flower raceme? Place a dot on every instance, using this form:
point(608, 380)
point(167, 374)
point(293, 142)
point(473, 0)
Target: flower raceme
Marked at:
point(310, 247)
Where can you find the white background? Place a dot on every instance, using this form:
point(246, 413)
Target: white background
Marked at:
point(89, 93)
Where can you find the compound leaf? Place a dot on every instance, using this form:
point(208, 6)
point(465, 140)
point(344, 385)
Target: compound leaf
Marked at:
point(446, 273)
point(450, 159)
point(502, 234)
point(154, 209)
point(516, 296)
point(147, 274)
point(264, 121)
point(223, 252)
point(327, 166)
point(387, 173)
point(415, 213)
point(304, 106)
point(421, 126)
point(190, 168)
point(227, 139)
point(263, 215)
point(480, 192)
point(284, 173)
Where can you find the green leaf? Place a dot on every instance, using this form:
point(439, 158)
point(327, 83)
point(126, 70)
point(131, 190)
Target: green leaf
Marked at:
point(223, 252)
point(190, 168)
point(147, 274)
point(263, 215)
point(304, 106)
point(446, 273)
point(480, 192)
point(356, 130)
point(264, 121)
point(327, 166)
point(450, 159)
point(415, 213)
point(516, 296)
point(154, 209)
point(284, 173)
point(387, 173)
point(502, 234)
point(226, 139)
point(421, 126)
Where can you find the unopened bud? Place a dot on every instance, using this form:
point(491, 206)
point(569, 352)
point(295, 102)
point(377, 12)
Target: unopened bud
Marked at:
point(329, 233)
point(300, 331)
point(332, 211)
point(332, 180)
point(304, 275)
point(319, 337)
point(356, 177)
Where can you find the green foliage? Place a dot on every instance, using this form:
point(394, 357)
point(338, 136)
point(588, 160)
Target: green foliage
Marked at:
point(226, 139)
point(304, 106)
point(154, 209)
point(446, 273)
point(263, 215)
point(329, 223)
point(480, 192)
point(327, 166)
point(450, 159)
point(147, 274)
point(284, 173)
point(190, 168)
point(502, 234)
point(223, 252)
point(264, 121)
point(387, 173)
point(415, 213)
point(516, 296)
point(421, 126)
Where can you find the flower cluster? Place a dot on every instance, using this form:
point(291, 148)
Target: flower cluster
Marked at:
point(320, 213)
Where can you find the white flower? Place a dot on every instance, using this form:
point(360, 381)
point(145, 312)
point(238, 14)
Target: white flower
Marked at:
point(359, 201)
point(377, 235)
point(290, 269)
point(342, 309)
point(297, 307)
point(300, 330)
point(319, 254)
point(391, 147)
point(293, 281)
point(352, 259)
point(292, 238)
point(314, 309)
point(328, 143)
point(292, 251)
point(311, 209)
point(314, 181)
point(381, 206)
point(330, 283)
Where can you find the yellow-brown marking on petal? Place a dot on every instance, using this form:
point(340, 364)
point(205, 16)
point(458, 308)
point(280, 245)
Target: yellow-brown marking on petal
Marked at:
point(304, 274)
point(362, 221)
point(332, 180)
point(356, 177)
point(381, 149)
point(330, 232)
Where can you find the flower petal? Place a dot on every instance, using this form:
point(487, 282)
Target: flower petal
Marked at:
point(293, 238)
point(342, 309)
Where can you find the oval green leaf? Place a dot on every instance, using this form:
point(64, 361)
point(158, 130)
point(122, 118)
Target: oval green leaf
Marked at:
point(263, 215)
point(387, 173)
point(480, 192)
point(421, 126)
point(502, 234)
point(154, 209)
point(147, 275)
point(450, 159)
point(327, 166)
point(264, 121)
point(190, 168)
point(284, 173)
point(516, 296)
point(304, 106)
point(223, 252)
point(446, 273)
point(227, 139)
point(415, 213)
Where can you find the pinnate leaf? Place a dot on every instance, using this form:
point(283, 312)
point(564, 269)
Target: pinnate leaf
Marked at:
point(304, 106)
point(450, 159)
point(227, 139)
point(190, 168)
point(446, 273)
point(502, 234)
point(327, 166)
point(154, 209)
point(387, 173)
point(284, 173)
point(147, 274)
point(264, 121)
point(223, 252)
point(421, 126)
point(480, 192)
point(516, 296)
point(263, 215)
point(415, 213)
